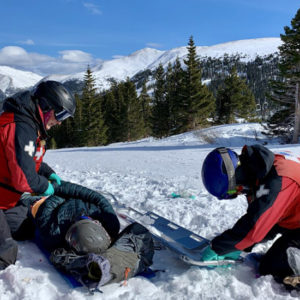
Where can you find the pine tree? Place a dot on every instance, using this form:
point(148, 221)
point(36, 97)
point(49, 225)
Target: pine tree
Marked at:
point(175, 92)
point(109, 108)
point(94, 127)
point(160, 108)
point(197, 99)
point(78, 124)
point(97, 129)
point(145, 101)
point(234, 99)
point(286, 90)
point(136, 126)
point(121, 114)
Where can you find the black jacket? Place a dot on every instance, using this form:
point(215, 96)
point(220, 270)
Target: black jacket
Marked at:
point(58, 212)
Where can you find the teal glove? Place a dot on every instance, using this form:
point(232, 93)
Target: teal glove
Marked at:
point(233, 255)
point(55, 177)
point(210, 254)
point(49, 191)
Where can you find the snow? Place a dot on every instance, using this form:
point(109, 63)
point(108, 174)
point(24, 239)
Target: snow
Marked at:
point(149, 58)
point(127, 66)
point(143, 174)
point(16, 79)
point(249, 48)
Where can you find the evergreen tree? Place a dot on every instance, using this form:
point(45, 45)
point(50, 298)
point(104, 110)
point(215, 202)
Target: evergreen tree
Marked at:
point(175, 92)
point(160, 108)
point(109, 108)
point(94, 127)
point(197, 99)
point(121, 114)
point(145, 101)
point(286, 90)
point(234, 99)
point(136, 126)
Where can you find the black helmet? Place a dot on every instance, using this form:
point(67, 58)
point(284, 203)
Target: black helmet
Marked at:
point(53, 95)
point(88, 236)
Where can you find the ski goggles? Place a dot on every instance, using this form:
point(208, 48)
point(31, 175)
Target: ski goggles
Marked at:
point(231, 194)
point(62, 115)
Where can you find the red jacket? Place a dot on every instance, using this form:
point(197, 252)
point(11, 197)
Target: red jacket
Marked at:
point(274, 200)
point(22, 147)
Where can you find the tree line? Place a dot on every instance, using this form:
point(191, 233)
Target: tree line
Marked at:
point(177, 101)
point(285, 88)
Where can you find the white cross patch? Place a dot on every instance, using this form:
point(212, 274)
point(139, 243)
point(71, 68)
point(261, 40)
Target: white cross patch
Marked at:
point(39, 153)
point(262, 191)
point(29, 148)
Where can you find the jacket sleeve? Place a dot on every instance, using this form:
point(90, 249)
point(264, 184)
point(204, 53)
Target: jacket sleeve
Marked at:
point(106, 214)
point(45, 170)
point(20, 148)
point(44, 217)
point(274, 198)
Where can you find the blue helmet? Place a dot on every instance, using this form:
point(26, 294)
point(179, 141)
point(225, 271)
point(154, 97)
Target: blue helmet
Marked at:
point(218, 173)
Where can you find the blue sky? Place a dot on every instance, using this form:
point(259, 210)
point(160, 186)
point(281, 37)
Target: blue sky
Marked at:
point(84, 30)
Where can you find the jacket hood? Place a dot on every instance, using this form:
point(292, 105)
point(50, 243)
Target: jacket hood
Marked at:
point(25, 109)
point(256, 163)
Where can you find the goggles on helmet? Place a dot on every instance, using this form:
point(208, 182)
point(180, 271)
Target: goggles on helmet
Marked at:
point(230, 170)
point(62, 115)
point(231, 194)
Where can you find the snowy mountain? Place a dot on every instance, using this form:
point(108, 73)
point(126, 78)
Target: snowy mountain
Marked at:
point(148, 58)
point(143, 174)
point(12, 79)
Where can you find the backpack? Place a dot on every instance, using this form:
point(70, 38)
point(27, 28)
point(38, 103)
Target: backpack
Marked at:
point(131, 254)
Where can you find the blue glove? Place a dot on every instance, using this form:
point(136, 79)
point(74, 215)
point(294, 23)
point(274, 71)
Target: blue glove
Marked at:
point(49, 191)
point(210, 254)
point(55, 177)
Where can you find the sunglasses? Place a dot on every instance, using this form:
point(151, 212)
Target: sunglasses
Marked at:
point(62, 115)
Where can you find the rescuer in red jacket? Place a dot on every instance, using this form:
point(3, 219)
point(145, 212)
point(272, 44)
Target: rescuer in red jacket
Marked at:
point(271, 183)
point(24, 121)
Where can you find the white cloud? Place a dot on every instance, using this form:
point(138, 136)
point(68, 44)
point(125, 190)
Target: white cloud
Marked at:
point(153, 45)
point(93, 8)
point(26, 42)
point(76, 56)
point(68, 61)
point(13, 56)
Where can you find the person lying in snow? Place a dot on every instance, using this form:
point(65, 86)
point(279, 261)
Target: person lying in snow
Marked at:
point(271, 183)
point(81, 229)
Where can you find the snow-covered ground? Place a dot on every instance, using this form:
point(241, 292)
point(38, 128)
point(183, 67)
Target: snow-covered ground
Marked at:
point(144, 174)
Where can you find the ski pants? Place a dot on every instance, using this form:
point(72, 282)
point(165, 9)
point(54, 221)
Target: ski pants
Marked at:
point(275, 261)
point(14, 225)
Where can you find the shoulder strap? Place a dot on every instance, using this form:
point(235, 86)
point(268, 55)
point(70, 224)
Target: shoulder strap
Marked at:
point(10, 188)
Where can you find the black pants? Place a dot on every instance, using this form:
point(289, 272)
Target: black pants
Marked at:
point(8, 247)
point(14, 225)
point(275, 261)
point(21, 226)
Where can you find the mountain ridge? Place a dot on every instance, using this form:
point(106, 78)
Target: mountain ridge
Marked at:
point(120, 68)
